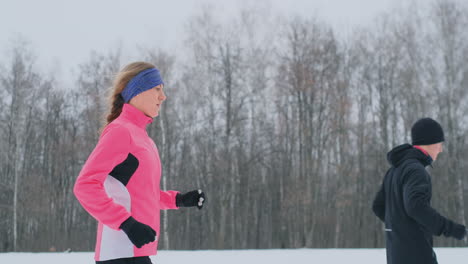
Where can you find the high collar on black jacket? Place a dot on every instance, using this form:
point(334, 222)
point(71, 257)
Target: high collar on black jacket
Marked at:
point(404, 152)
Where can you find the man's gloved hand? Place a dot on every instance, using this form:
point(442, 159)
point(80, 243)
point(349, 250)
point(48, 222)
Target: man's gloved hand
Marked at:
point(194, 198)
point(455, 230)
point(139, 233)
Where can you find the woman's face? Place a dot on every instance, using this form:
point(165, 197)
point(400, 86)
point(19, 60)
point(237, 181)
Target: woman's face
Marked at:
point(149, 102)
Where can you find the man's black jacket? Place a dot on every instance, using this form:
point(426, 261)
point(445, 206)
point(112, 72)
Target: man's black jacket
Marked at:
point(403, 203)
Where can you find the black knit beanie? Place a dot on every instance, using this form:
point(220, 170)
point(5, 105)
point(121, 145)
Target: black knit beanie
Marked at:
point(427, 131)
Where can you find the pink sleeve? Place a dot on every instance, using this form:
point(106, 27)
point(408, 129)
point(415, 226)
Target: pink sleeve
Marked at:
point(111, 150)
point(167, 199)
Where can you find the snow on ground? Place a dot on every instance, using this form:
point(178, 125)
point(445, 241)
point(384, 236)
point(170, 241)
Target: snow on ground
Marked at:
point(273, 256)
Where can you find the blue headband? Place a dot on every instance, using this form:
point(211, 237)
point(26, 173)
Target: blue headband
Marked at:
point(143, 81)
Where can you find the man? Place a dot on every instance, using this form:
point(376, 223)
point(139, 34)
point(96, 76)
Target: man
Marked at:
point(403, 201)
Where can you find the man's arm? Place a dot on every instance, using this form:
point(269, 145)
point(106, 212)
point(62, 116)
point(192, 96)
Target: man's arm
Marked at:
point(417, 196)
point(378, 206)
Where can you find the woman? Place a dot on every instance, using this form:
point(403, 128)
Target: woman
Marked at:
point(119, 183)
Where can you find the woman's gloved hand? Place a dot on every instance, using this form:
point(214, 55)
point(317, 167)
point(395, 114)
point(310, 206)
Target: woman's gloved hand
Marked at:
point(139, 233)
point(194, 198)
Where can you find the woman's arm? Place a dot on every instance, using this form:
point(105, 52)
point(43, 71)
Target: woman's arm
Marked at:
point(167, 200)
point(112, 148)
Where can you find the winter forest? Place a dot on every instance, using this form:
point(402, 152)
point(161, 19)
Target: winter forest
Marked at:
point(283, 122)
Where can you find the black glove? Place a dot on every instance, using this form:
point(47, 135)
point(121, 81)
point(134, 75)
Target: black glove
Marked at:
point(140, 234)
point(459, 232)
point(194, 198)
point(455, 230)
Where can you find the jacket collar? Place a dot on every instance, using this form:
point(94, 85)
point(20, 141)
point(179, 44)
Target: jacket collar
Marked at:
point(135, 116)
point(406, 151)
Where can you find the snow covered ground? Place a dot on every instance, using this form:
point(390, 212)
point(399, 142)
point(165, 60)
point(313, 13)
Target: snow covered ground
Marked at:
point(276, 256)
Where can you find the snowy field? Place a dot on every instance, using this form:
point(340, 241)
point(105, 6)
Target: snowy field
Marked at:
point(326, 256)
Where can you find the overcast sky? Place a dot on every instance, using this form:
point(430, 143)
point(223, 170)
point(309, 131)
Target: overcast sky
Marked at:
point(66, 31)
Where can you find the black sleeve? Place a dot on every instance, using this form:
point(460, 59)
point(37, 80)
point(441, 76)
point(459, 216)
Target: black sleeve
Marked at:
point(417, 196)
point(378, 206)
